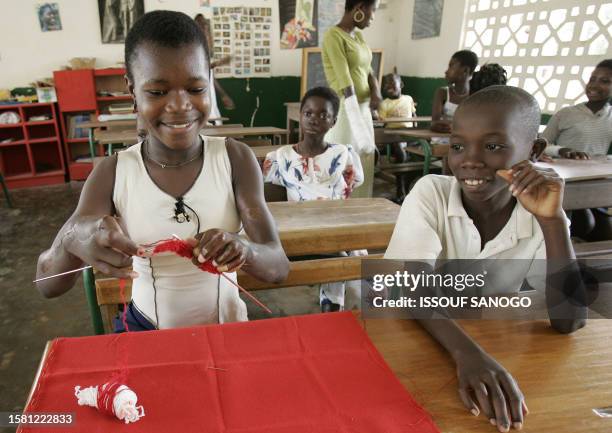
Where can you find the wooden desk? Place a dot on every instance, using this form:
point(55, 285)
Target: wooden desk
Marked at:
point(425, 148)
point(588, 184)
point(324, 227)
point(563, 377)
point(415, 120)
point(129, 136)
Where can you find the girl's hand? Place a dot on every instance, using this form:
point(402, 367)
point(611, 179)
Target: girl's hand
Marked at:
point(101, 243)
point(539, 190)
point(497, 393)
point(228, 251)
point(567, 153)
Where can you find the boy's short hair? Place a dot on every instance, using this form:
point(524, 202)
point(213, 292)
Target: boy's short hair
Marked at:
point(515, 99)
point(350, 4)
point(325, 93)
point(390, 76)
point(605, 64)
point(163, 28)
point(489, 74)
point(467, 58)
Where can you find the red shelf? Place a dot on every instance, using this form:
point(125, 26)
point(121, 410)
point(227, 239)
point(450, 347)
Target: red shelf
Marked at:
point(11, 125)
point(40, 122)
point(12, 143)
point(19, 176)
point(42, 140)
point(36, 161)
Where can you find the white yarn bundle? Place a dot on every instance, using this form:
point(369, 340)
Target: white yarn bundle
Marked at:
point(124, 401)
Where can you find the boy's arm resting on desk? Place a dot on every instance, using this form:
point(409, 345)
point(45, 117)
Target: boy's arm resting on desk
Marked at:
point(540, 191)
point(91, 235)
point(416, 238)
point(265, 258)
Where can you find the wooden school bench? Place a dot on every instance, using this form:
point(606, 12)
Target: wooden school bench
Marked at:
point(305, 228)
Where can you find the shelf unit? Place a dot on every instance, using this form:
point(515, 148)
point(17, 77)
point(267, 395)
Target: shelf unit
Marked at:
point(31, 151)
point(78, 94)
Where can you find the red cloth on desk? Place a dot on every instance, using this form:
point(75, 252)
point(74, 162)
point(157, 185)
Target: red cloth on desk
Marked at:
point(318, 373)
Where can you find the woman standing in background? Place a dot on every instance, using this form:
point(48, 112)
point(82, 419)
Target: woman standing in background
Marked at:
point(346, 61)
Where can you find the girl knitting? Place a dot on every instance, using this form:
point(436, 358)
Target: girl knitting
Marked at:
point(176, 181)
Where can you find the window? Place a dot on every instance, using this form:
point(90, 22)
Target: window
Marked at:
point(548, 47)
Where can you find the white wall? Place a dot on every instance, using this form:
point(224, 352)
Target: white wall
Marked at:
point(428, 57)
point(27, 53)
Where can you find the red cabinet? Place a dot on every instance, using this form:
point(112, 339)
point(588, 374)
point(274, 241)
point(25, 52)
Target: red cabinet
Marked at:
point(82, 94)
point(31, 150)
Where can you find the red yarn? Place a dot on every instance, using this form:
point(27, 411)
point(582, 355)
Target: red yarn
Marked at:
point(107, 392)
point(183, 249)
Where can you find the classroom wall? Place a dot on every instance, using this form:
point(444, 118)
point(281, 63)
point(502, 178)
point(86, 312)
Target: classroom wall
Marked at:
point(27, 53)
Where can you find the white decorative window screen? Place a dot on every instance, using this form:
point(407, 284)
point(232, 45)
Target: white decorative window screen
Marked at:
point(548, 47)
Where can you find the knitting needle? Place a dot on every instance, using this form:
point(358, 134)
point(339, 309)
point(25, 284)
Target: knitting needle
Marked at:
point(63, 273)
point(253, 298)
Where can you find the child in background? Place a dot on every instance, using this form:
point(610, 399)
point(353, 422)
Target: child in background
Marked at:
point(315, 170)
point(176, 181)
point(446, 99)
point(583, 131)
point(489, 74)
point(498, 205)
point(396, 105)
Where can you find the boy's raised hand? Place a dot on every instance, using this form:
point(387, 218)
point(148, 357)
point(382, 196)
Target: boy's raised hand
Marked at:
point(497, 393)
point(539, 190)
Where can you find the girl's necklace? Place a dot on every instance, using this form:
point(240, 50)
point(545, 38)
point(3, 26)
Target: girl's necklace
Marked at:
point(166, 165)
point(457, 93)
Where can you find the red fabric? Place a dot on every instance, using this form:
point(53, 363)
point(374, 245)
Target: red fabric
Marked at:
point(317, 373)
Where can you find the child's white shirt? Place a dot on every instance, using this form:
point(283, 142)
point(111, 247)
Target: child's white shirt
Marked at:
point(433, 224)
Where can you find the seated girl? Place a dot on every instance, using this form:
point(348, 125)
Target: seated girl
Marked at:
point(315, 170)
point(175, 182)
point(446, 99)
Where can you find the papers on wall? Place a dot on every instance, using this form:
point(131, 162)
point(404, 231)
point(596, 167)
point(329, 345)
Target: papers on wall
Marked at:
point(245, 34)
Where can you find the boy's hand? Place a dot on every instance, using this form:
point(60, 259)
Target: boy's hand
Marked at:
point(497, 393)
point(567, 153)
point(539, 190)
point(228, 251)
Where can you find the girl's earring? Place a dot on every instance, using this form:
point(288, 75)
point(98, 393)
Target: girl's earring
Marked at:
point(358, 16)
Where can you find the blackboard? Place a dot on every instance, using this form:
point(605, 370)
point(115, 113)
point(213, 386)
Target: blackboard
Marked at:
point(313, 74)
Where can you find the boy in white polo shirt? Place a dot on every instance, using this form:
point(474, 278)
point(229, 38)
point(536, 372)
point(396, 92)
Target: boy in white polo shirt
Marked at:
point(584, 131)
point(497, 205)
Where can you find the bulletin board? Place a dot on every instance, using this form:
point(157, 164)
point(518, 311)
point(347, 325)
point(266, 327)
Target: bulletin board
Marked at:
point(245, 34)
point(313, 74)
